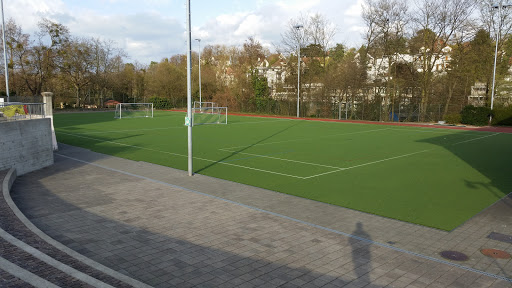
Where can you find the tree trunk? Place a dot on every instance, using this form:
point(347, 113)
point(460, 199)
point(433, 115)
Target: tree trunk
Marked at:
point(450, 94)
point(77, 96)
point(424, 97)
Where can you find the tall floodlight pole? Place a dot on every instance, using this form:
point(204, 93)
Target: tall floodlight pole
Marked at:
point(199, 41)
point(499, 7)
point(189, 90)
point(5, 53)
point(298, 27)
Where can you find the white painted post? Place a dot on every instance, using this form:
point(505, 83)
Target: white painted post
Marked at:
point(189, 90)
point(48, 112)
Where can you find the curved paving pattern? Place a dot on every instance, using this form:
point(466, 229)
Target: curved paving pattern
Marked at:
point(28, 259)
point(153, 224)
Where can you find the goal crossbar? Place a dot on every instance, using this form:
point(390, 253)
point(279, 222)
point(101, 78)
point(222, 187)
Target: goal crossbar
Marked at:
point(198, 104)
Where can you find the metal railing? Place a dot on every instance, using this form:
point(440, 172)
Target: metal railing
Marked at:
point(12, 111)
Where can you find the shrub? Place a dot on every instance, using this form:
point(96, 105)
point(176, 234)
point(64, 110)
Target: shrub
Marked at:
point(160, 102)
point(478, 116)
point(454, 118)
point(12, 110)
point(502, 116)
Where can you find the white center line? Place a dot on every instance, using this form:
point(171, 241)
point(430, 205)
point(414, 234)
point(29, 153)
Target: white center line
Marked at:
point(282, 159)
point(306, 138)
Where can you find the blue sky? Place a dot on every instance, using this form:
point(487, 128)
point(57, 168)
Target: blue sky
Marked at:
point(149, 30)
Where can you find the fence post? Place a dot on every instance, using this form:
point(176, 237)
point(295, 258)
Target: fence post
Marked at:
point(48, 112)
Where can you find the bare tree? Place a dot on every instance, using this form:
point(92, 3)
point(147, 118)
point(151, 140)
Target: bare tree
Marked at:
point(253, 52)
point(107, 60)
point(496, 20)
point(18, 50)
point(317, 30)
point(321, 32)
point(386, 22)
point(292, 36)
point(77, 64)
point(47, 54)
point(437, 22)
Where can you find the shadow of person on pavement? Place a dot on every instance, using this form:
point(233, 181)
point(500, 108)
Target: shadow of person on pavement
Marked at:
point(361, 255)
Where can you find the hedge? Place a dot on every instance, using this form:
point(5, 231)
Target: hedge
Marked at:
point(478, 116)
point(453, 118)
point(502, 116)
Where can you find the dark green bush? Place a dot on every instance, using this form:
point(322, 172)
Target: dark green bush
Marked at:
point(454, 118)
point(502, 116)
point(478, 116)
point(160, 102)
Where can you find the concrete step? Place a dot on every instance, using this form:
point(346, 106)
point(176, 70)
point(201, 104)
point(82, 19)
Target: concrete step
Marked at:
point(34, 253)
point(10, 253)
point(11, 281)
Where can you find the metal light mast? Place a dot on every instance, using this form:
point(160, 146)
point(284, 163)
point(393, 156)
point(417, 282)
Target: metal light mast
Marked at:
point(200, 99)
point(298, 27)
point(189, 91)
point(5, 54)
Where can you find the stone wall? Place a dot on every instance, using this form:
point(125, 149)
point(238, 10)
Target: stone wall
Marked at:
point(26, 145)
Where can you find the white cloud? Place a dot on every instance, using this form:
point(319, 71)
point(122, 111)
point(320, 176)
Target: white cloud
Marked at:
point(230, 19)
point(250, 25)
point(145, 36)
point(355, 9)
point(27, 13)
point(269, 20)
point(152, 29)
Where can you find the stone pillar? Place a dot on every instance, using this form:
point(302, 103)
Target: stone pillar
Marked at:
point(48, 104)
point(48, 112)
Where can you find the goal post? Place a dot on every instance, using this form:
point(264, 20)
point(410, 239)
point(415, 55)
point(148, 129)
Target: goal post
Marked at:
point(134, 110)
point(209, 115)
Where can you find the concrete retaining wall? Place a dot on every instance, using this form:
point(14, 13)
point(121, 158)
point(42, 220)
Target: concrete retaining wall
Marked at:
point(26, 145)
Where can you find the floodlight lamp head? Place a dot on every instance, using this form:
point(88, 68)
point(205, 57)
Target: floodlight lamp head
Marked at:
point(298, 27)
point(197, 39)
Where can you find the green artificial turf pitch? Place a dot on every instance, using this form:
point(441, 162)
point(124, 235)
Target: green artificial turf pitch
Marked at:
point(433, 177)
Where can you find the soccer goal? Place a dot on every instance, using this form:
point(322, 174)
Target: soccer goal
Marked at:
point(209, 115)
point(134, 110)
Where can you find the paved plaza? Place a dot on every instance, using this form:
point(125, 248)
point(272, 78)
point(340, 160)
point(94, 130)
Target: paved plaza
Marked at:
point(165, 229)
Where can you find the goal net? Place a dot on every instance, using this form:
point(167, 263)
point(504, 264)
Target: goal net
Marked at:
point(209, 115)
point(134, 110)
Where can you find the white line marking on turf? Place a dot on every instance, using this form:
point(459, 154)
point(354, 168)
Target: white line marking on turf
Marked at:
point(181, 155)
point(470, 140)
point(387, 159)
point(405, 155)
point(369, 163)
point(282, 159)
point(326, 173)
point(429, 258)
point(305, 138)
point(133, 130)
point(427, 130)
point(175, 127)
point(261, 122)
